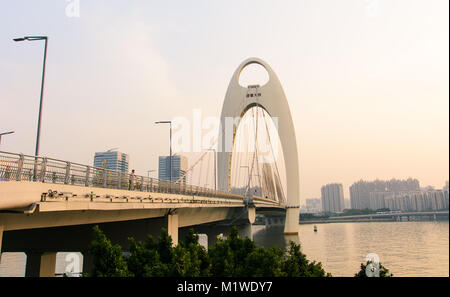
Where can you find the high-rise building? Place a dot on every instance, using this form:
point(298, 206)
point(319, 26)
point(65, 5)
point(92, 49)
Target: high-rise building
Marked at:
point(417, 201)
point(361, 197)
point(112, 160)
point(333, 198)
point(179, 167)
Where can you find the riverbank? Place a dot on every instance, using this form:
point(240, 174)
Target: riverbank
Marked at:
point(328, 221)
point(379, 217)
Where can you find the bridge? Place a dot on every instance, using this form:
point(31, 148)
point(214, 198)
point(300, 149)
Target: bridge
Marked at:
point(49, 205)
point(397, 216)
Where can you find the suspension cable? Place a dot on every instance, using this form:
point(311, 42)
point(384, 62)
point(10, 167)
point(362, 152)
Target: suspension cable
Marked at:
point(274, 158)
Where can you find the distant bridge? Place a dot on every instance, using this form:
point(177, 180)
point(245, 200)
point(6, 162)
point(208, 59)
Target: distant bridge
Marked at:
point(388, 216)
point(394, 215)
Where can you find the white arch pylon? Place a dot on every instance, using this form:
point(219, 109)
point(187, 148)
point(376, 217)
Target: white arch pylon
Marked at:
point(274, 101)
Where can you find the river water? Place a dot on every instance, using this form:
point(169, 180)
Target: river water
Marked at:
point(405, 248)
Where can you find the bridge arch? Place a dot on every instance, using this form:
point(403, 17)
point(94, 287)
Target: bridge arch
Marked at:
point(274, 101)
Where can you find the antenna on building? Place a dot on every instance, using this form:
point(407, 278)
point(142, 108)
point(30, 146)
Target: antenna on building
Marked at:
point(110, 150)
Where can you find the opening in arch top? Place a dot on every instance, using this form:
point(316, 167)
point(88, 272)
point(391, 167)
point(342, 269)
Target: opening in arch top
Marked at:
point(253, 74)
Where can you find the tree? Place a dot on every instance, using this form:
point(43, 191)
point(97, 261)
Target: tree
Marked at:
point(296, 264)
point(233, 257)
point(262, 262)
point(228, 256)
point(197, 254)
point(144, 259)
point(370, 269)
point(108, 258)
point(160, 258)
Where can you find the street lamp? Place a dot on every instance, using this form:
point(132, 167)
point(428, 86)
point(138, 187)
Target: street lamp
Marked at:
point(170, 158)
point(35, 38)
point(5, 133)
point(215, 169)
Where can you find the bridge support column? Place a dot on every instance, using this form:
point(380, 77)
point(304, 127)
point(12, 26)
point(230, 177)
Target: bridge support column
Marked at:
point(48, 265)
point(172, 227)
point(40, 264)
point(245, 230)
point(292, 220)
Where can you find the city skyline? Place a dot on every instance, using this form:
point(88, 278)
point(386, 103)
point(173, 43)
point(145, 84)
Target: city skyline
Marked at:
point(376, 106)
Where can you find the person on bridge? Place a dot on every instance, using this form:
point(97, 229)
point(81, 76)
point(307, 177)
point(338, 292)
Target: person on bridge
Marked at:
point(132, 180)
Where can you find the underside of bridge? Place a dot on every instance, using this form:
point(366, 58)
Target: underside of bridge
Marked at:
point(41, 244)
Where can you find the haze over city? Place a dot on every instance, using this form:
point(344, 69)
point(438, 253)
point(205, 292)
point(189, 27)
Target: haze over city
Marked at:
point(366, 81)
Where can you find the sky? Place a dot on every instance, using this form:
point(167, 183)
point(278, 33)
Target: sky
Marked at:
point(367, 81)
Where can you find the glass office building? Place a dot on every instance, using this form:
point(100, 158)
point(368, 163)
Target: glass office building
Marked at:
point(179, 167)
point(112, 160)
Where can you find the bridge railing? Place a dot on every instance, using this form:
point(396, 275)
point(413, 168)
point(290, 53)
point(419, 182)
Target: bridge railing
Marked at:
point(20, 167)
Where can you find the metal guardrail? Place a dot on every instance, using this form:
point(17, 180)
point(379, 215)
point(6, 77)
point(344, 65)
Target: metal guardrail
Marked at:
point(20, 167)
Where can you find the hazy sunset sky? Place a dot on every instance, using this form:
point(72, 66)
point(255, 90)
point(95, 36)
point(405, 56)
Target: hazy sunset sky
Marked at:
point(367, 81)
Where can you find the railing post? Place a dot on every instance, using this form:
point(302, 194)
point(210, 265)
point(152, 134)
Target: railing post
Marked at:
point(20, 168)
point(43, 169)
point(88, 172)
point(67, 176)
point(105, 177)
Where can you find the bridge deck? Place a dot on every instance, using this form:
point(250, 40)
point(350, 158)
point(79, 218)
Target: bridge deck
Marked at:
point(28, 179)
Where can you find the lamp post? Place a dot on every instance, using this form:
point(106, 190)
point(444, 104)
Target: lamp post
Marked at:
point(35, 38)
point(5, 133)
point(215, 168)
point(170, 156)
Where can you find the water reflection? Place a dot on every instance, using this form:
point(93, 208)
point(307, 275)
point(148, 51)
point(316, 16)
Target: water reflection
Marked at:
point(405, 248)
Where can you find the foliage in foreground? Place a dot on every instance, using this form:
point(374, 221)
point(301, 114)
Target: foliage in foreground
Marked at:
point(230, 257)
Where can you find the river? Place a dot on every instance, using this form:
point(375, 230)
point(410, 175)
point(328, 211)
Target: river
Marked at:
point(405, 248)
